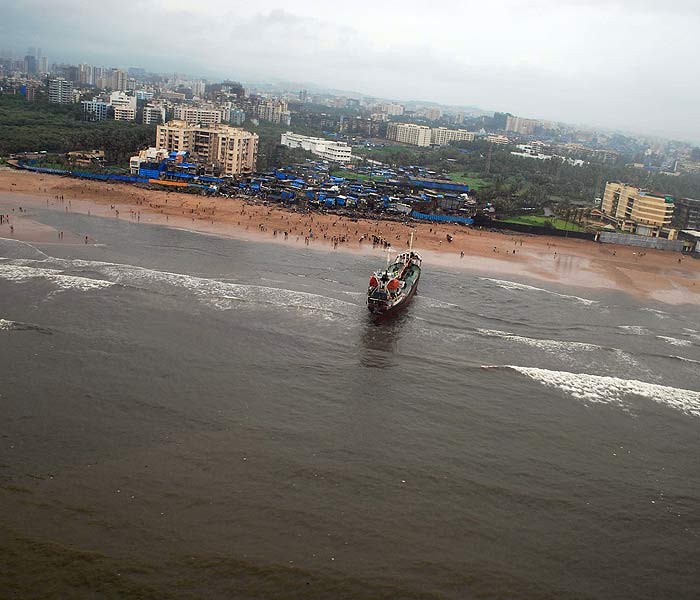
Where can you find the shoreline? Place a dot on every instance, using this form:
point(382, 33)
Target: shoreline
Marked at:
point(657, 275)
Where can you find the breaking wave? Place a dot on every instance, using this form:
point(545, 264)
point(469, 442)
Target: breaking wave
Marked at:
point(674, 341)
point(21, 273)
point(635, 329)
point(512, 285)
point(612, 390)
point(7, 325)
point(563, 349)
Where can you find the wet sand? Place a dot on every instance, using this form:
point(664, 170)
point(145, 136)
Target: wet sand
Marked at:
point(656, 275)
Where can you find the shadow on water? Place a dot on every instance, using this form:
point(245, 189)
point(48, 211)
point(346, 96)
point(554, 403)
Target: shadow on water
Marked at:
point(379, 339)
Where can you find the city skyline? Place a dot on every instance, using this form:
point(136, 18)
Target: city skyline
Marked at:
point(523, 58)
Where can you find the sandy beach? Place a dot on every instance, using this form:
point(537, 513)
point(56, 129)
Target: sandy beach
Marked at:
point(657, 275)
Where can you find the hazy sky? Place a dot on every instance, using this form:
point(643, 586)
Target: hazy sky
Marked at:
point(630, 64)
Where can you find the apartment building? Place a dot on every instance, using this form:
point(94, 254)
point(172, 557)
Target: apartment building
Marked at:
point(687, 213)
point(124, 106)
point(231, 149)
point(636, 210)
point(521, 125)
point(60, 91)
point(330, 150)
point(94, 110)
point(198, 115)
point(153, 114)
point(409, 133)
point(442, 136)
point(274, 111)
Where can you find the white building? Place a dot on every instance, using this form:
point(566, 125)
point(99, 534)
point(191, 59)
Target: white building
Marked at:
point(151, 155)
point(94, 110)
point(329, 150)
point(410, 133)
point(153, 114)
point(441, 136)
point(124, 106)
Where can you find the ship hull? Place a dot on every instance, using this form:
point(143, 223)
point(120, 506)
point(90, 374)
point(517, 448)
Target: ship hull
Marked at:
point(383, 308)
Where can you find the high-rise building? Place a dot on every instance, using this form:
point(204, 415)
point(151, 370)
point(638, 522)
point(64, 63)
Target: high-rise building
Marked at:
point(124, 106)
point(60, 91)
point(433, 114)
point(116, 79)
point(30, 65)
point(441, 136)
point(500, 120)
point(153, 114)
point(198, 88)
point(274, 111)
point(521, 125)
point(636, 210)
point(231, 149)
point(687, 213)
point(409, 133)
point(237, 116)
point(198, 116)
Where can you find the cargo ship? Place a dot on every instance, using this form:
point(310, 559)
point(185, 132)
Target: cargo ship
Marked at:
point(391, 289)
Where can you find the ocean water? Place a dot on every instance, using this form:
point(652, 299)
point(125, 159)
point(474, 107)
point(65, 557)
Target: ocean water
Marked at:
point(186, 415)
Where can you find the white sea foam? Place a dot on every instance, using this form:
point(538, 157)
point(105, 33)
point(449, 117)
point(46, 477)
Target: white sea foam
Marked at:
point(674, 341)
point(22, 273)
point(6, 325)
point(613, 390)
point(223, 295)
point(635, 329)
point(543, 344)
point(435, 303)
point(684, 359)
point(512, 285)
point(659, 313)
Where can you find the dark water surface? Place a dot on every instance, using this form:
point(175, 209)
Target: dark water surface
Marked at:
point(192, 416)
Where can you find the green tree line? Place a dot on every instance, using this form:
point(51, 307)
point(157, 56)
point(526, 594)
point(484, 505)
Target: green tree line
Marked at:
point(40, 126)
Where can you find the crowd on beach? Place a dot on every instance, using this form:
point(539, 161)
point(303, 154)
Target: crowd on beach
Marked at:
point(505, 252)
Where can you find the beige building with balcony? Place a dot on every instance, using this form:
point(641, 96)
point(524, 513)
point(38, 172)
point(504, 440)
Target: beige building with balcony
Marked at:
point(636, 210)
point(233, 150)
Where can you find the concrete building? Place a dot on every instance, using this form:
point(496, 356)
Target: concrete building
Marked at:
point(636, 210)
point(687, 213)
point(274, 111)
point(143, 94)
point(409, 133)
point(124, 106)
point(150, 155)
point(60, 91)
point(520, 125)
point(500, 140)
point(433, 114)
point(442, 136)
point(196, 115)
point(94, 110)
point(392, 109)
point(153, 114)
point(231, 149)
point(330, 150)
point(198, 88)
point(237, 117)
